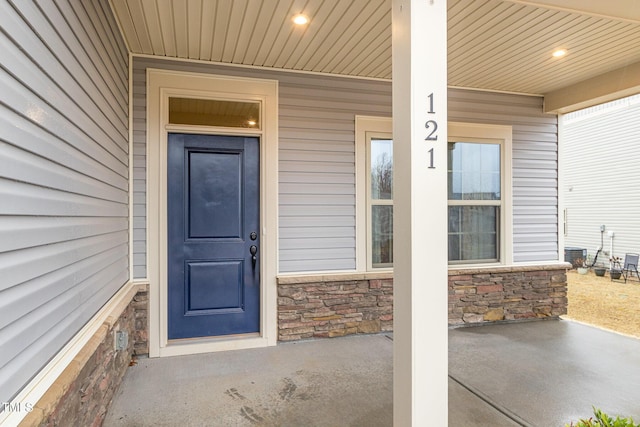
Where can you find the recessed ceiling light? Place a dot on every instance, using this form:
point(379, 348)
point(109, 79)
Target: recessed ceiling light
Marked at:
point(558, 53)
point(300, 19)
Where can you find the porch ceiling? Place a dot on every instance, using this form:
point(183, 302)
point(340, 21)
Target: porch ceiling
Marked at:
point(502, 45)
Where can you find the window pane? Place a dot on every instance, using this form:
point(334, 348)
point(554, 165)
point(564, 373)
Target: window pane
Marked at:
point(454, 247)
point(473, 233)
point(381, 169)
point(382, 235)
point(474, 171)
point(213, 112)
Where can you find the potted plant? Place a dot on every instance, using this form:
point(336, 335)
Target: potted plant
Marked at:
point(581, 266)
point(616, 269)
point(599, 270)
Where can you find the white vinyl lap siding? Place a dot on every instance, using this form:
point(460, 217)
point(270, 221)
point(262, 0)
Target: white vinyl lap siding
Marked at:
point(601, 172)
point(63, 177)
point(317, 162)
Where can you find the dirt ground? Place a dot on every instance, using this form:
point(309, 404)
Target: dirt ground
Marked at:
point(598, 301)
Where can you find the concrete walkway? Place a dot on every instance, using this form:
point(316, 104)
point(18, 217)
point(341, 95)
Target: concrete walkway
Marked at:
point(545, 373)
point(527, 374)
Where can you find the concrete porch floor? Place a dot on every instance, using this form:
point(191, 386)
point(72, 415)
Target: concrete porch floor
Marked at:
point(545, 373)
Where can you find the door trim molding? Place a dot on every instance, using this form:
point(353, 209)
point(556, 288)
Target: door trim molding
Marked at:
point(160, 85)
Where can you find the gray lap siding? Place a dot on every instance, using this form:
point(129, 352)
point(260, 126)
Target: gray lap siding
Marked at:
point(317, 172)
point(64, 178)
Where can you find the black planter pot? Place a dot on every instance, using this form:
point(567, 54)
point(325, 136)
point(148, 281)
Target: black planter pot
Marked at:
point(615, 274)
point(599, 271)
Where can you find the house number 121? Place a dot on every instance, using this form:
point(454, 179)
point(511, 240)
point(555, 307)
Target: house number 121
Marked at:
point(432, 127)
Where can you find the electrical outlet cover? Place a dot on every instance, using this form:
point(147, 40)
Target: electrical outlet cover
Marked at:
point(121, 340)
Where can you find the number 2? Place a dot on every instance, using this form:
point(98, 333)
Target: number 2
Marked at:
point(431, 136)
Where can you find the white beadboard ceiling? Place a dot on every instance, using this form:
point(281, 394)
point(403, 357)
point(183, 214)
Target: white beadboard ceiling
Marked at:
point(502, 45)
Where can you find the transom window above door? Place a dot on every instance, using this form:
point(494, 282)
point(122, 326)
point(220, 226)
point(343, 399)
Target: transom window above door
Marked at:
point(214, 112)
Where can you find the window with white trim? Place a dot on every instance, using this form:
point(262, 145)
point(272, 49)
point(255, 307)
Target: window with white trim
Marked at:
point(374, 193)
point(479, 194)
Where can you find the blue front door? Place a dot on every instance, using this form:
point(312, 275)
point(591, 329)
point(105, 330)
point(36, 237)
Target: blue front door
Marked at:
point(213, 235)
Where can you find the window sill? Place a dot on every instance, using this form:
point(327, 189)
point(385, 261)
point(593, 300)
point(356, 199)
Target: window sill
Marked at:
point(333, 277)
point(290, 279)
point(514, 268)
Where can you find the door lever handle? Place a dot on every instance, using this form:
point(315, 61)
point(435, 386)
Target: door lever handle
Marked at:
point(253, 250)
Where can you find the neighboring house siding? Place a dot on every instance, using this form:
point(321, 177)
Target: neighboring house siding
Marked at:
point(535, 165)
point(601, 167)
point(63, 177)
point(317, 162)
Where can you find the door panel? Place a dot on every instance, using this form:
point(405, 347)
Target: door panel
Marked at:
point(214, 197)
point(213, 208)
point(207, 286)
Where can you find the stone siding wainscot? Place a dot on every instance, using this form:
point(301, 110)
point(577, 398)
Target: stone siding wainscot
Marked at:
point(332, 305)
point(141, 314)
point(324, 306)
point(81, 395)
point(495, 294)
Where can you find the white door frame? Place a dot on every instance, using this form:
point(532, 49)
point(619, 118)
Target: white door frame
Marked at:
point(160, 85)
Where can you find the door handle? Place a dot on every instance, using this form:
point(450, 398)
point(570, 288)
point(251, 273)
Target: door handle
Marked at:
point(253, 250)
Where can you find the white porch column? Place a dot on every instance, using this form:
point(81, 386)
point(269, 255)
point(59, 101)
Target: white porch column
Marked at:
point(420, 387)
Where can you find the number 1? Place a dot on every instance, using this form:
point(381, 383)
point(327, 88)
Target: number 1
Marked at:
point(431, 159)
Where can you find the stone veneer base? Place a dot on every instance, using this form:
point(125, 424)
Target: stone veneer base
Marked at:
point(331, 305)
point(81, 395)
point(505, 294)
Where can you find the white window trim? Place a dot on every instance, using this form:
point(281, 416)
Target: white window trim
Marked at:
point(471, 132)
point(457, 131)
point(366, 126)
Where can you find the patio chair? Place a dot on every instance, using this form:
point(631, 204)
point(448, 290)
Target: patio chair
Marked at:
point(630, 266)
